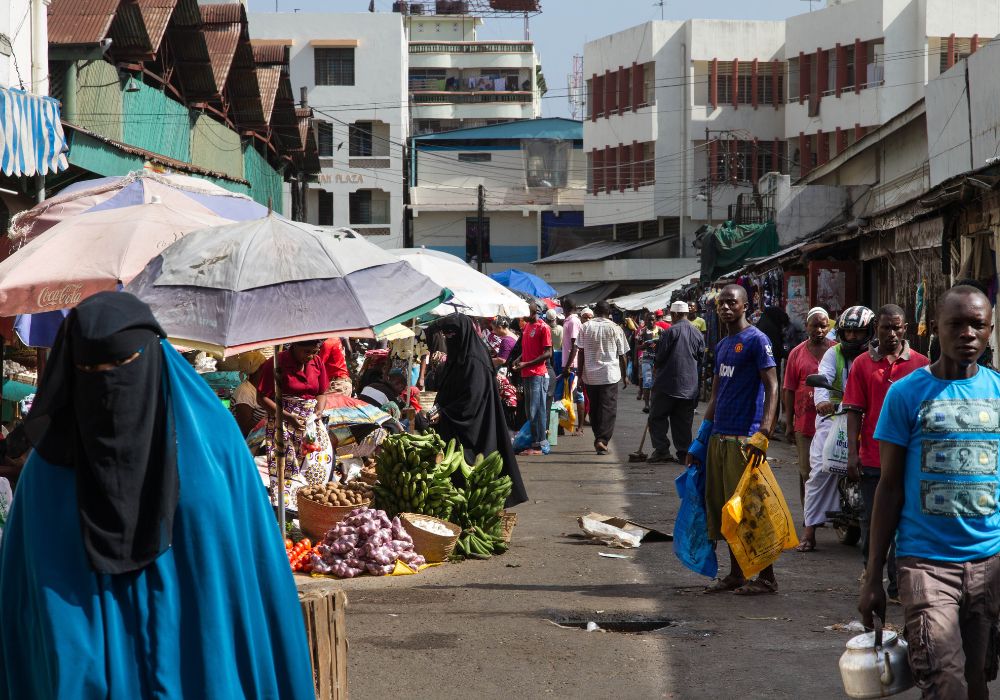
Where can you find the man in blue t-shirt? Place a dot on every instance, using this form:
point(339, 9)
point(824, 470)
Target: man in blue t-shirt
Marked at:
point(738, 421)
point(939, 433)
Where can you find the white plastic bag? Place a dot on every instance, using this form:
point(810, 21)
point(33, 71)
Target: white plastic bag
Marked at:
point(835, 448)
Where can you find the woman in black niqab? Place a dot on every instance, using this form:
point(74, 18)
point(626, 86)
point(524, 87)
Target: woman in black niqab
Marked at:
point(101, 410)
point(469, 401)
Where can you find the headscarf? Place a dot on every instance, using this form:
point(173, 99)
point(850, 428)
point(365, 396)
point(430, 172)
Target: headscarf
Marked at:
point(817, 311)
point(113, 428)
point(469, 400)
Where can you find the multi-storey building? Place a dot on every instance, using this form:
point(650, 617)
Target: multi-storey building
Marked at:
point(353, 70)
point(685, 117)
point(456, 81)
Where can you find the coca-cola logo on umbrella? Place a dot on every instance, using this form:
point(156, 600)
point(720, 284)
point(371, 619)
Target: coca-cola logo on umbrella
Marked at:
point(61, 297)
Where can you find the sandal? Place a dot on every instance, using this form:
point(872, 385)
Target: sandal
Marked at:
point(806, 546)
point(724, 585)
point(758, 586)
point(600, 447)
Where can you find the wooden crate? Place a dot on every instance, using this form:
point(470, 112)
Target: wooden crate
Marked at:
point(326, 632)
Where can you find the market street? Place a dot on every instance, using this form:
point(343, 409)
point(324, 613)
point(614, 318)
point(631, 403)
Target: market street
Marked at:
point(480, 629)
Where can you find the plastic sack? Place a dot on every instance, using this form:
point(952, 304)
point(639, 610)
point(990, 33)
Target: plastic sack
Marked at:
point(567, 410)
point(756, 522)
point(522, 440)
point(310, 441)
point(835, 448)
point(691, 543)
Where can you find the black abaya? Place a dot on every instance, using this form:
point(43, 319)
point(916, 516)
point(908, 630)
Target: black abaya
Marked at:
point(469, 401)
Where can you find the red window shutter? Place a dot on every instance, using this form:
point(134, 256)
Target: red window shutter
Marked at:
point(837, 141)
point(713, 84)
point(754, 175)
point(974, 44)
point(860, 64)
point(623, 97)
point(597, 162)
point(777, 67)
point(624, 176)
point(841, 68)
point(610, 93)
point(638, 87)
point(637, 164)
point(805, 157)
point(950, 60)
point(610, 168)
point(753, 83)
point(776, 156)
point(805, 76)
point(598, 95)
point(822, 147)
point(859, 132)
point(822, 83)
point(736, 82)
point(713, 161)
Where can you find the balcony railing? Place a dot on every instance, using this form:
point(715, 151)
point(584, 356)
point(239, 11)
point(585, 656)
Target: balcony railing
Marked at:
point(471, 47)
point(466, 98)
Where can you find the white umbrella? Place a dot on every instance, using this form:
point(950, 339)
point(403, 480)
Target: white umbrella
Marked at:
point(475, 294)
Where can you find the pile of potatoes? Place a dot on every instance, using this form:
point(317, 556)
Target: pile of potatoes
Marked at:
point(336, 494)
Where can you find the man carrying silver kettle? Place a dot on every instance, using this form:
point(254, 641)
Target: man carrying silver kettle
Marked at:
point(939, 435)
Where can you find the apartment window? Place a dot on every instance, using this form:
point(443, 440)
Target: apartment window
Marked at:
point(325, 208)
point(475, 157)
point(724, 83)
point(472, 239)
point(324, 139)
point(369, 207)
point(850, 70)
point(360, 137)
point(334, 66)
point(744, 84)
point(765, 86)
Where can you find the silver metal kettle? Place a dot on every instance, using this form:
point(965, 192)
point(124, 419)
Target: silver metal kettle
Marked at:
point(875, 664)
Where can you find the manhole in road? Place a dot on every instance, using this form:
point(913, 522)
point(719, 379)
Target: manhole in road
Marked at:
point(622, 624)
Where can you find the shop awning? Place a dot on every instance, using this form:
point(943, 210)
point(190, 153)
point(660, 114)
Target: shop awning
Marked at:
point(31, 134)
point(730, 246)
point(657, 298)
point(586, 293)
point(16, 391)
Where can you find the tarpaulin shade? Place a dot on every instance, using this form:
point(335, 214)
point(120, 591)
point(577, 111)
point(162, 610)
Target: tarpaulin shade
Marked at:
point(524, 282)
point(31, 134)
point(727, 247)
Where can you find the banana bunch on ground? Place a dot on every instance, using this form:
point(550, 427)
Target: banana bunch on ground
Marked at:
point(414, 475)
point(479, 515)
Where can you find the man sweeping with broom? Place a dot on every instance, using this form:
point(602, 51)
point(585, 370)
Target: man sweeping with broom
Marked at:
point(738, 421)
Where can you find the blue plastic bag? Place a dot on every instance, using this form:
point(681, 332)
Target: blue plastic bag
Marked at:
point(522, 440)
point(691, 543)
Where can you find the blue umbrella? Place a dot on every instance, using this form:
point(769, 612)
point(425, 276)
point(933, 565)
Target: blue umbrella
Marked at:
point(524, 282)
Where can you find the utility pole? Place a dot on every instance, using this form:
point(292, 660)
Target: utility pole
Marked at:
point(480, 223)
point(708, 179)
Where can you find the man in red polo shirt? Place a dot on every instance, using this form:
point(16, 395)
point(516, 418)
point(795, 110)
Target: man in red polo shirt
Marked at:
point(872, 374)
point(332, 357)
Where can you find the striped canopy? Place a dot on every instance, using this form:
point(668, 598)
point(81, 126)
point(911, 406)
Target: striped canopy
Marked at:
point(31, 135)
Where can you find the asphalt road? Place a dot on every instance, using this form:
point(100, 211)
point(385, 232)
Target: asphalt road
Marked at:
point(484, 629)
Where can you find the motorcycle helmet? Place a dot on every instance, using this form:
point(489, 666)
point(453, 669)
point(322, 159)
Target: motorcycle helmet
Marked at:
point(859, 318)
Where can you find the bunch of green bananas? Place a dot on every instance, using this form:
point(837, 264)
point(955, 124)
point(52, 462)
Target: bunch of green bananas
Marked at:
point(414, 475)
point(480, 515)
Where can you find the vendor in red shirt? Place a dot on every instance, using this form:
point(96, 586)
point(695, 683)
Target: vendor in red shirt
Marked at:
point(660, 323)
point(872, 374)
point(536, 349)
point(332, 357)
point(800, 411)
point(303, 385)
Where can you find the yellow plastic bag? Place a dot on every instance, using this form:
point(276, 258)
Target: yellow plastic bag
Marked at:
point(567, 416)
point(756, 522)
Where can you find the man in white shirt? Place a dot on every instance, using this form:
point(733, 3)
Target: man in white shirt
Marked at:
point(602, 348)
point(570, 332)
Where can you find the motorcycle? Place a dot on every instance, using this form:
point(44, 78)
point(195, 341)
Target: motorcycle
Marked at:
point(847, 521)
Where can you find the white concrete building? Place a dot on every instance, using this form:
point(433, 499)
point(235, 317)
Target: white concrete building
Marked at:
point(779, 96)
point(354, 69)
point(456, 81)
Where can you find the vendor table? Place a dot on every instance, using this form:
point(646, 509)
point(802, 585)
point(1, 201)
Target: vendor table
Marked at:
point(323, 604)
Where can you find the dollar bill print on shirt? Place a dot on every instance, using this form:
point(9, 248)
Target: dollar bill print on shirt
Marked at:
point(959, 499)
point(960, 457)
point(960, 416)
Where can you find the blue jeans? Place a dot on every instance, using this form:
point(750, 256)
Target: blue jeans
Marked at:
point(536, 405)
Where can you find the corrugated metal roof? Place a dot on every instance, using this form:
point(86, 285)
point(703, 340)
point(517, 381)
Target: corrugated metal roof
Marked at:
point(601, 250)
point(267, 81)
point(550, 128)
point(270, 53)
point(80, 21)
point(585, 293)
point(223, 27)
point(139, 27)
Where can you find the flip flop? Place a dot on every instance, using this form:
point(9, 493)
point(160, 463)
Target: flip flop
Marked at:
point(806, 546)
point(758, 586)
point(724, 585)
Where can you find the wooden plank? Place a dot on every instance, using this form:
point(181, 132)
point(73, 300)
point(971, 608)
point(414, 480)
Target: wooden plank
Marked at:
point(326, 633)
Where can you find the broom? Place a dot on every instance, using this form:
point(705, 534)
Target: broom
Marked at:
point(639, 455)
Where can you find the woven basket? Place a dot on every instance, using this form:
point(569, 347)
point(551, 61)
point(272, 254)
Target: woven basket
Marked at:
point(433, 548)
point(507, 523)
point(316, 518)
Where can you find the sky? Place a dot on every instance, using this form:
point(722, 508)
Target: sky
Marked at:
point(564, 26)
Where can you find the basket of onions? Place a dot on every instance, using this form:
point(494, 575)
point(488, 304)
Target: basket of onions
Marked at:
point(433, 538)
point(366, 541)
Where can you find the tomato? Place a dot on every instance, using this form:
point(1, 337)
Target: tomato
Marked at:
point(305, 541)
point(288, 544)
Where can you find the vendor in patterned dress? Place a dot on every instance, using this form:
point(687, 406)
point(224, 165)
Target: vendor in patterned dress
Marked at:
point(303, 385)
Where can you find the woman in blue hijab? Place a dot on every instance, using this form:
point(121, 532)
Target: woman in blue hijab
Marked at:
point(141, 558)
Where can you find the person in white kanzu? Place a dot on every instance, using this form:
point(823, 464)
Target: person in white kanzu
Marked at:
point(602, 348)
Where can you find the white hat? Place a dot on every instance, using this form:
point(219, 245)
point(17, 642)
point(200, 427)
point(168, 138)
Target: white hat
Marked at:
point(551, 315)
point(679, 307)
point(587, 311)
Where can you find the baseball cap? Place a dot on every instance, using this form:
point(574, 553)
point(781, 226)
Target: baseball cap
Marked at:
point(551, 315)
point(679, 307)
